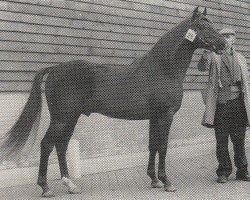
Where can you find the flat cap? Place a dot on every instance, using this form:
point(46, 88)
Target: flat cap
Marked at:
point(227, 31)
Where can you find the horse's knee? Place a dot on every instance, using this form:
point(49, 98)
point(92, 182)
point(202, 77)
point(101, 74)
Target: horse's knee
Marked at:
point(162, 150)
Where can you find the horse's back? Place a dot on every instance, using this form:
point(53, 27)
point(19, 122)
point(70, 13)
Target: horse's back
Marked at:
point(81, 86)
point(127, 93)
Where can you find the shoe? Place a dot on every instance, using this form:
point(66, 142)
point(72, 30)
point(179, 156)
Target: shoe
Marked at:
point(222, 179)
point(170, 188)
point(48, 194)
point(244, 177)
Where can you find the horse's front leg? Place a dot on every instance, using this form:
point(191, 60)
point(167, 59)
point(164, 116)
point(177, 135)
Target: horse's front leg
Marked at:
point(164, 123)
point(153, 132)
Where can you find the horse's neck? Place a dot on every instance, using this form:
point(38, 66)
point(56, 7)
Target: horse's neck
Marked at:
point(172, 54)
point(182, 58)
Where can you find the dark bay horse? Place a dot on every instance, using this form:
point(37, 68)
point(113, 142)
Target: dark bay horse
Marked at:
point(150, 88)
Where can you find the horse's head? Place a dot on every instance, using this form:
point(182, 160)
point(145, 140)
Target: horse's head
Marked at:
point(203, 34)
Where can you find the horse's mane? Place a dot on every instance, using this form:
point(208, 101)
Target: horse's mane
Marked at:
point(170, 40)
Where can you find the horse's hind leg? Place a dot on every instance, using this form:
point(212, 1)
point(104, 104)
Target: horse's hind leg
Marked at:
point(47, 145)
point(61, 149)
point(66, 128)
point(58, 134)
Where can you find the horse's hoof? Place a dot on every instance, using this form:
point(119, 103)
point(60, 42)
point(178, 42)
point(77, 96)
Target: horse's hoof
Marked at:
point(170, 188)
point(156, 184)
point(75, 190)
point(48, 194)
point(72, 188)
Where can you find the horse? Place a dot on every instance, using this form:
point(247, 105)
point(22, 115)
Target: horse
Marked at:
point(150, 88)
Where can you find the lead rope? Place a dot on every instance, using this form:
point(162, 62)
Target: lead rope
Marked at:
point(218, 63)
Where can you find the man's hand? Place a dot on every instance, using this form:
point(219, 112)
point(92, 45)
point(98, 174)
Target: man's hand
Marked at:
point(204, 62)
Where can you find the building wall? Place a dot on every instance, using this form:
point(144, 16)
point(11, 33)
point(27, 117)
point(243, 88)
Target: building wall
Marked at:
point(40, 33)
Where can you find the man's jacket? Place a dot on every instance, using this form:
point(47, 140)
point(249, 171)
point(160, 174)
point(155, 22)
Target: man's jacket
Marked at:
point(213, 64)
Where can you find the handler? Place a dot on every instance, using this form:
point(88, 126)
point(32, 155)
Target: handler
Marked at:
point(227, 100)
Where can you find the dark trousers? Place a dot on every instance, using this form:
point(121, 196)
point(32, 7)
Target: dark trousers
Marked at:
point(231, 120)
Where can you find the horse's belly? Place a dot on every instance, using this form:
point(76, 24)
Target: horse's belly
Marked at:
point(122, 107)
point(136, 114)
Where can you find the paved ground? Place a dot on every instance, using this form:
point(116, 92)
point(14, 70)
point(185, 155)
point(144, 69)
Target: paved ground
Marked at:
point(194, 177)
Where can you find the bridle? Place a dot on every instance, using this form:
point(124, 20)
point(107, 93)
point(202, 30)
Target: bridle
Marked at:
point(193, 35)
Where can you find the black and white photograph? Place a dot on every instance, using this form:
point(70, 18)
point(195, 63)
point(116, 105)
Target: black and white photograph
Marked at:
point(124, 99)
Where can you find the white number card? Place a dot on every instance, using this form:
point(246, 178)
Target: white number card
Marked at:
point(190, 35)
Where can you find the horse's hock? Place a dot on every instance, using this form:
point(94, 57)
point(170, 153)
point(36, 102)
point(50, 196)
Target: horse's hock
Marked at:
point(39, 34)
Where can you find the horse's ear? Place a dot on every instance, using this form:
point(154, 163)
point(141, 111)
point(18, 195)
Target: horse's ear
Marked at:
point(205, 12)
point(196, 10)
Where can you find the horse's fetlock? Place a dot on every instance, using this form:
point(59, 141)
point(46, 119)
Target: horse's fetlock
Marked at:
point(41, 181)
point(162, 178)
point(151, 174)
point(44, 186)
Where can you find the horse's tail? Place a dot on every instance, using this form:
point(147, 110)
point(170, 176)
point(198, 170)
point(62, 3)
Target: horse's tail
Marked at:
point(26, 125)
